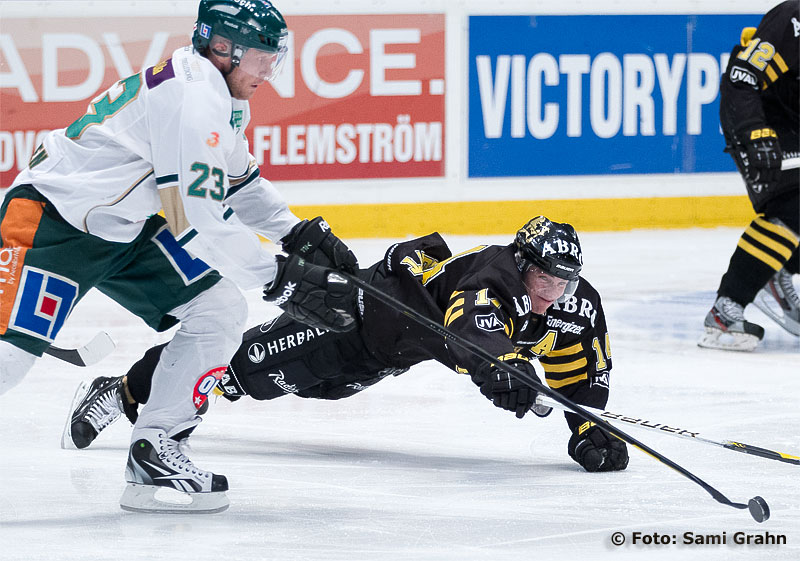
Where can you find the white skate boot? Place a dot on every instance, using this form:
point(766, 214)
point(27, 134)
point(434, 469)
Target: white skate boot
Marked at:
point(726, 328)
point(779, 300)
point(162, 479)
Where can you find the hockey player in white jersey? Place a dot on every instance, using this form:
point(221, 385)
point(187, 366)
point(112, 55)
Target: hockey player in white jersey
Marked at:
point(84, 214)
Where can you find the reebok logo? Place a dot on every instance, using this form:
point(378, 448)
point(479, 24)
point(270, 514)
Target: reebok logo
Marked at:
point(288, 291)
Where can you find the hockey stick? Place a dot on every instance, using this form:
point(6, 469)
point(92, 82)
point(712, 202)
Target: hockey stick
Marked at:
point(757, 506)
point(682, 433)
point(791, 163)
point(91, 353)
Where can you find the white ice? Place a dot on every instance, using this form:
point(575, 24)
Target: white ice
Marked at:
point(421, 466)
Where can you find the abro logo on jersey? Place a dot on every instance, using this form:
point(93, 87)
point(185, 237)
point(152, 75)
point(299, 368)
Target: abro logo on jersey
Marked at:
point(739, 74)
point(488, 322)
point(525, 308)
point(571, 306)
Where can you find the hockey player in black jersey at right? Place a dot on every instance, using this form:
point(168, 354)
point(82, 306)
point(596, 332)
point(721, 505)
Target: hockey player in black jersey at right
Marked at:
point(760, 118)
point(520, 302)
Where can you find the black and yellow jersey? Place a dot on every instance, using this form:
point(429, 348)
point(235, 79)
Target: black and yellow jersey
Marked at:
point(759, 89)
point(479, 295)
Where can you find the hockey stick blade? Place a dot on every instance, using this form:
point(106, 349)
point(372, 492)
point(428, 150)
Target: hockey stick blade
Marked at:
point(671, 430)
point(91, 353)
point(791, 163)
point(757, 506)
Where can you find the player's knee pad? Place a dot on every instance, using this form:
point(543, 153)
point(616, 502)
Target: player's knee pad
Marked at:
point(14, 364)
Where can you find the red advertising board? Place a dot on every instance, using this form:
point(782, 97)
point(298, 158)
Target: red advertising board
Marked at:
point(360, 96)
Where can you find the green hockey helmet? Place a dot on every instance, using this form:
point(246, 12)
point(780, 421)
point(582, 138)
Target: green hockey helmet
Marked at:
point(250, 25)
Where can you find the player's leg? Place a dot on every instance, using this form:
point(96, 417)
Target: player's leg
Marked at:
point(164, 285)
point(39, 282)
point(778, 299)
point(765, 247)
point(14, 364)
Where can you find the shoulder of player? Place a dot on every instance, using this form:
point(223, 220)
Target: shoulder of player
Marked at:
point(579, 312)
point(782, 21)
point(198, 87)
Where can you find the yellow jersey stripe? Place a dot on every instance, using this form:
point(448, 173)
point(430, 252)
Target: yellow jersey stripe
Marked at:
point(451, 309)
point(766, 241)
point(453, 317)
point(566, 367)
point(555, 384)
point(574, 349)
point(777, 229)
point(778, 59)
point(760, 255)
point(770, 72)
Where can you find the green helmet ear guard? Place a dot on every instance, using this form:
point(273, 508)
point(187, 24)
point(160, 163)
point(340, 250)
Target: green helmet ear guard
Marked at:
point(248, 24)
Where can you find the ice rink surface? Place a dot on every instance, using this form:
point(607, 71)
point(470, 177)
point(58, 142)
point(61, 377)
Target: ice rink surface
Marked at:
point(422, 467)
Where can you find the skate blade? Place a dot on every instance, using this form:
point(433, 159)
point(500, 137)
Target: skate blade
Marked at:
point(767, 304)
point(717, 339)
point(66, 434)
point(163, 500)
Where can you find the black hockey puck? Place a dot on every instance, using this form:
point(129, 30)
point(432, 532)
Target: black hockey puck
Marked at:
point(759, 509)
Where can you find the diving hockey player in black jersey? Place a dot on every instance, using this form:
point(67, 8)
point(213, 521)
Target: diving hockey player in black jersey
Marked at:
point(760, 117)
point(520, 302)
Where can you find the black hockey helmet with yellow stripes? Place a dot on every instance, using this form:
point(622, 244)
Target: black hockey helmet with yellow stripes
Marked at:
point(551, 246)
point(248, 24)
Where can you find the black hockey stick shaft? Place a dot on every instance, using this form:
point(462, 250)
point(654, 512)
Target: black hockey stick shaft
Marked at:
point(71, 356)
point(541, 388)
point(92, 352)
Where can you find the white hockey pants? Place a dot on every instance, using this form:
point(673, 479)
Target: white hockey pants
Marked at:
point(210, 332)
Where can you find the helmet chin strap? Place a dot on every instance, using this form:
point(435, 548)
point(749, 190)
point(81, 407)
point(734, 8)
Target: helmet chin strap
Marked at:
point(235, 59)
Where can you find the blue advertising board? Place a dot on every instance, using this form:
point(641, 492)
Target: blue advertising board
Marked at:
point(581, 95)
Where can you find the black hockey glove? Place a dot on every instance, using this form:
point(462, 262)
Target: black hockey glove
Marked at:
point(597, 450)
point(759, 159)
point(506, 391)
point(314, 242)
point(313, 295)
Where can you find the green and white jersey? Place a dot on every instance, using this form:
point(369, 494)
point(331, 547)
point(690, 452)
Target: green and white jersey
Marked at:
point(168, 137)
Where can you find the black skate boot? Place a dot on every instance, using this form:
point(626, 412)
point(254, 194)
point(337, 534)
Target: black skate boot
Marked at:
point(156, 462)
point(726, 328)
point(94, 407)
point(779, 300)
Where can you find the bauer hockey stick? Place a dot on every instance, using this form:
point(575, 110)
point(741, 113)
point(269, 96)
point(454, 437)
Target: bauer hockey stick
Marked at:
point(91, 353)
point(675, 431)
point(757, 506)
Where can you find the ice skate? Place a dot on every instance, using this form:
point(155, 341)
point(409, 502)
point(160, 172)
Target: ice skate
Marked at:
point(162, 479)
point(95, 406)
point(779, 300)
point(726, 328)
